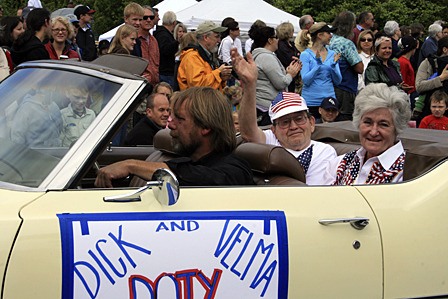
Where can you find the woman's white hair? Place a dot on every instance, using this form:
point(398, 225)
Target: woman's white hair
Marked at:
point(379, 95)
point(380, 40)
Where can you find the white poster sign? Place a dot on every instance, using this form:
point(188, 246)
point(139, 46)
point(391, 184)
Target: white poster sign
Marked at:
point(182, 255)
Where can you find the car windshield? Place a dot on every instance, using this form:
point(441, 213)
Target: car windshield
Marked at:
point(41, 111)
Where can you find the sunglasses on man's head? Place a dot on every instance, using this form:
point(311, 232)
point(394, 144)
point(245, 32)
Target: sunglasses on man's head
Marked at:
point(148, 17)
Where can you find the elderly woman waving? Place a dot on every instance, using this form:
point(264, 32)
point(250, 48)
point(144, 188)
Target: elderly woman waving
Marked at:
point(381, 113)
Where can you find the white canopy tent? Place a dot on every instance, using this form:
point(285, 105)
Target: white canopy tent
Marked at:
point(174, 5)
point(245, 12)
point(164, 6)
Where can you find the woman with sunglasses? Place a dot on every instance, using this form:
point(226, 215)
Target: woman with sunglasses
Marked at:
point(59, 48)
point(366, 51)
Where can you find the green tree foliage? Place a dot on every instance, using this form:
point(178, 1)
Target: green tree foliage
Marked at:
point(10, 7)
point(109, 15)
point(405, 12)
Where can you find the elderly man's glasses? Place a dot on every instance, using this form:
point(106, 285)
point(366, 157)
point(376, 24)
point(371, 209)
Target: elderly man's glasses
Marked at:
point(148, 17)
point(286, 122)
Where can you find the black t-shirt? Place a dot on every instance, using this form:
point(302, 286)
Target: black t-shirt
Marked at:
point(31, 50)
point(143, 133)
point(215, 169)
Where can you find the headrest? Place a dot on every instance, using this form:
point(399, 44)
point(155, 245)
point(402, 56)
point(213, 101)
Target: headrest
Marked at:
point(271, 159)
point(421, 159)
point(162, 141)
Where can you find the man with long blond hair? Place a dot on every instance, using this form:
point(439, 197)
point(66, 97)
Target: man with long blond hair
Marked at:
point(203, 135)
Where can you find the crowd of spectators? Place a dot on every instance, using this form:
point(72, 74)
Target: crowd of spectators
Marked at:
point(323, 73)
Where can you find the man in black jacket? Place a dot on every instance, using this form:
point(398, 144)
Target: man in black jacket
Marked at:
point(157, 113)
point(85, 38)
point(168, 46)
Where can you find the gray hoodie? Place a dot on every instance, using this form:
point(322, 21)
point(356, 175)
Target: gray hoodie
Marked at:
point(272, 77)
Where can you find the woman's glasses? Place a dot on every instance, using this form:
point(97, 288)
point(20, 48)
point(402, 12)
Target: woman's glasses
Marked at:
point(57, 30)
point(366, 40)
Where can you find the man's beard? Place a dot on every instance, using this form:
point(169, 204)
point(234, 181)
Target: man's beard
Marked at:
point(214, 49)
point(183, 149)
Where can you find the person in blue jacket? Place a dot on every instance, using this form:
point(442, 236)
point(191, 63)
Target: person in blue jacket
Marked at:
point(320, 68)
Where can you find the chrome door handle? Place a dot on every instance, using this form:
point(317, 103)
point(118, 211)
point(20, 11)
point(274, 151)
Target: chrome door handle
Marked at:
point(356, 222)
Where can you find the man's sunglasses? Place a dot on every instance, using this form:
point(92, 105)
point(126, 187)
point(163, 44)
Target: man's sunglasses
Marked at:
point(148, 17)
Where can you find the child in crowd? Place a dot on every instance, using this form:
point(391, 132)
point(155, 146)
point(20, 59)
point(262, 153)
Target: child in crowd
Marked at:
point(236, 122)
point(234, 94)
point(103, 47)
point(328, 110)
point(437, 120)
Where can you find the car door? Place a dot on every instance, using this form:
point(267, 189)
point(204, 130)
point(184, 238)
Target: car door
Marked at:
point(412, 218)
point(259, 243)
point(10, 204)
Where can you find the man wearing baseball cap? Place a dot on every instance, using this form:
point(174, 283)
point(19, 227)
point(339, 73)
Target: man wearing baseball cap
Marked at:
point(328, 110)
point(85, 38)
point(292, 124)
point(197, 66)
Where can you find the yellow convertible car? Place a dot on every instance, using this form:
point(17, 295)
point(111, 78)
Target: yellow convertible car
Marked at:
point(63, 238)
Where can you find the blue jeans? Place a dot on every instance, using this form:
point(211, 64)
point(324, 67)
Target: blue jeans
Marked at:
point(168, 79)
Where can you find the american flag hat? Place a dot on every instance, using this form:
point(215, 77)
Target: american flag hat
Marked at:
point(286, 103)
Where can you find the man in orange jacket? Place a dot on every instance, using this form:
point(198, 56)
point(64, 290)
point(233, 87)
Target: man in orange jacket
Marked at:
point(197, 66)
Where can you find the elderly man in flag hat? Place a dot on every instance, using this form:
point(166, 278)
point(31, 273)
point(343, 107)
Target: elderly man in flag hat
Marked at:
point(292, 124)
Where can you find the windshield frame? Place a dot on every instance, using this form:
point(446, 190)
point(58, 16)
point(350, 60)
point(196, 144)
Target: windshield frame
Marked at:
point(95, 136)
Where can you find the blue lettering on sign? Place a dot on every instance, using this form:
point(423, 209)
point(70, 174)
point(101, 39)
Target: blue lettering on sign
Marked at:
point(173, 226)
point(97, 266)
point(227, 246)
point(247, 251)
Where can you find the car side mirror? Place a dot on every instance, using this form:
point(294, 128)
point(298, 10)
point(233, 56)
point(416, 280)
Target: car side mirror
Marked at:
point(165, 187)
